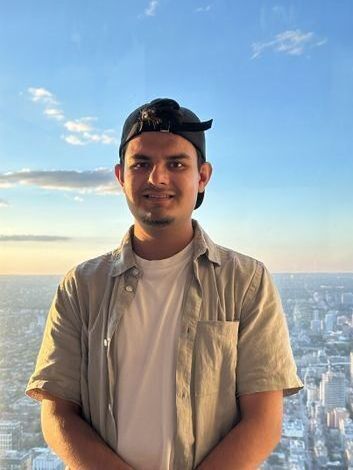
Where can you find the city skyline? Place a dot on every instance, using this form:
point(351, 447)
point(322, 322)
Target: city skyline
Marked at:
point(317, 429)
point(274, 77)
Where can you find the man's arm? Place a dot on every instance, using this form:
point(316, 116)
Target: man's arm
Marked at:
point(73, 440)
point(249, 443)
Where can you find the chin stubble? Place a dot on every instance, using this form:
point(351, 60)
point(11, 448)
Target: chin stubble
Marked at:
point(149, 220)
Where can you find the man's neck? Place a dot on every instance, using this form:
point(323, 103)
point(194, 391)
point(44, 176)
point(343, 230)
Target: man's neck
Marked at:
point(153, 243)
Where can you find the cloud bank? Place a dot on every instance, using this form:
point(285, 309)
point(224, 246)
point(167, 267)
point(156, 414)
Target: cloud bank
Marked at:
point(291, 42)
point(32, 238)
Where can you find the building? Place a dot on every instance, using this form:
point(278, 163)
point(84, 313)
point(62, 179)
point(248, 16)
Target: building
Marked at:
point(10, 435)
point(330, 321)
point(15, 460)
point(44, 459)
point(332, 390)
point(335, 415)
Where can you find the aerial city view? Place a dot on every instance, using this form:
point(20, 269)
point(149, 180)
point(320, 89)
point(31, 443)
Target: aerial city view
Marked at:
point(317, 426)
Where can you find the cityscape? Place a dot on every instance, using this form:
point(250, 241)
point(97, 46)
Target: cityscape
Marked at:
point(317, 426)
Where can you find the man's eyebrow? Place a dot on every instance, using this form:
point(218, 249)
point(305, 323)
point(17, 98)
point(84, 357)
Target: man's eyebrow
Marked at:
point(179, 156)
point(140, 156)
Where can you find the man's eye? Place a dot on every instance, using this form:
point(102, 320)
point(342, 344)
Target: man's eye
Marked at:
point(139, 165)
point(177, 164)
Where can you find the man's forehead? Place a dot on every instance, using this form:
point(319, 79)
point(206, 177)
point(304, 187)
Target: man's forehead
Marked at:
point(158, 142)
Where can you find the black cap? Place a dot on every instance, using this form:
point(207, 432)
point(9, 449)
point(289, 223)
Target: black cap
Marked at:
point(165, 115)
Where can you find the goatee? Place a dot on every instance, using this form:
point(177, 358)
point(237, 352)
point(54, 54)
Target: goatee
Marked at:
point(148, 219)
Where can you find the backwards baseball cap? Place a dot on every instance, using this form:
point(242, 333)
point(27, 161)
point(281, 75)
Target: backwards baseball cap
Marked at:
point(166, 115)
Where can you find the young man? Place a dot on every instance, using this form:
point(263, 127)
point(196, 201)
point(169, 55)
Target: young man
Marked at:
point(171, 352)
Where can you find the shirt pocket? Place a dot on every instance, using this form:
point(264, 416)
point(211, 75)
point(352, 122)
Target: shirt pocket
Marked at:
point(215, 356)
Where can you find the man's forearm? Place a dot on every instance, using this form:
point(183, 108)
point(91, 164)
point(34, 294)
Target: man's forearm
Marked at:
point(78, 445)
point(245, 447)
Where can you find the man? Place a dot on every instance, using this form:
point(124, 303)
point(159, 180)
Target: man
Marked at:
point(170, 352)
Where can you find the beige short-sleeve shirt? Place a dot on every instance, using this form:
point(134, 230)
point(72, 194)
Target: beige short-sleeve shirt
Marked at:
point(233, 340)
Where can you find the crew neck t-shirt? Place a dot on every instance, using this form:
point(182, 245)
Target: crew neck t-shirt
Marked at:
point(147, 351)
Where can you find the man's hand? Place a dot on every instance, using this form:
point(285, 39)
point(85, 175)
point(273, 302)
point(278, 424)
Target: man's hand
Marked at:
point(249, 443)
point(73, 440)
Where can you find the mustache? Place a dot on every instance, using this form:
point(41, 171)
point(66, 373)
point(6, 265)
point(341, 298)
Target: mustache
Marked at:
point(153, 189)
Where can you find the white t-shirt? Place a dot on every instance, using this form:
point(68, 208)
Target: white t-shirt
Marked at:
point(147, 350)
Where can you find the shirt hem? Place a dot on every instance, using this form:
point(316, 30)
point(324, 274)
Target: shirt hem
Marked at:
point(38, 389)
point(288, 389)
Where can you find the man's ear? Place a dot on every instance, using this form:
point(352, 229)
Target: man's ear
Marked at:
point(119, 173)
point(205, 175)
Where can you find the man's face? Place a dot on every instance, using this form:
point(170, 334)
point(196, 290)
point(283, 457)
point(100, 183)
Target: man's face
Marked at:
point(161, 179)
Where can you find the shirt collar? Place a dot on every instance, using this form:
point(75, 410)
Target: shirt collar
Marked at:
point(124, 259)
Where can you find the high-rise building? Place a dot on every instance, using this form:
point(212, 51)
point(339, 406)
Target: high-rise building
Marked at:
point(10, 435)
point(335, 416)
point(351, 365)
point(330, 321)
point(332, 390)
point(312, 393)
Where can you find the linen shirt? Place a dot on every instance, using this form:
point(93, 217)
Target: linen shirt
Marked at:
point(233, 340)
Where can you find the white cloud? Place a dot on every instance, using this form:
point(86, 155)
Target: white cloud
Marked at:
point(4, 203)
point(203, 9)
point(108, 139)
point(321, 43)
point(99, 181)
point(78, 125)
point(73, 140)
point(83, 126)
point(151, 9)
point(292, 42)
point(78, 199)
point(42, 95)
point(54, 113)
point(105, 138)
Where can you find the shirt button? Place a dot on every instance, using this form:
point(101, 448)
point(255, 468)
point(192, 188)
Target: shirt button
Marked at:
point(135, 272)
point(129, 288)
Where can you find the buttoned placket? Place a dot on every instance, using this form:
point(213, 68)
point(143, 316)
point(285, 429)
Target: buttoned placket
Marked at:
point(122, 296)
point(184, 438)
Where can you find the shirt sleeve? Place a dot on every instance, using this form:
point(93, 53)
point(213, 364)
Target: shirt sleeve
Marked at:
point(58, 366)
point(265, 359)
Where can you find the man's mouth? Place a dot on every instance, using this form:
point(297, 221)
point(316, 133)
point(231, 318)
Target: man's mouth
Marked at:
point(158, 196)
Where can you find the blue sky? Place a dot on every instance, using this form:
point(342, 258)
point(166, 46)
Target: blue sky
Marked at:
point(276, 77)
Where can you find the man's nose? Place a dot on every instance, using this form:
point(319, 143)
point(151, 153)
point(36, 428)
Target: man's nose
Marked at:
point(158, 175)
